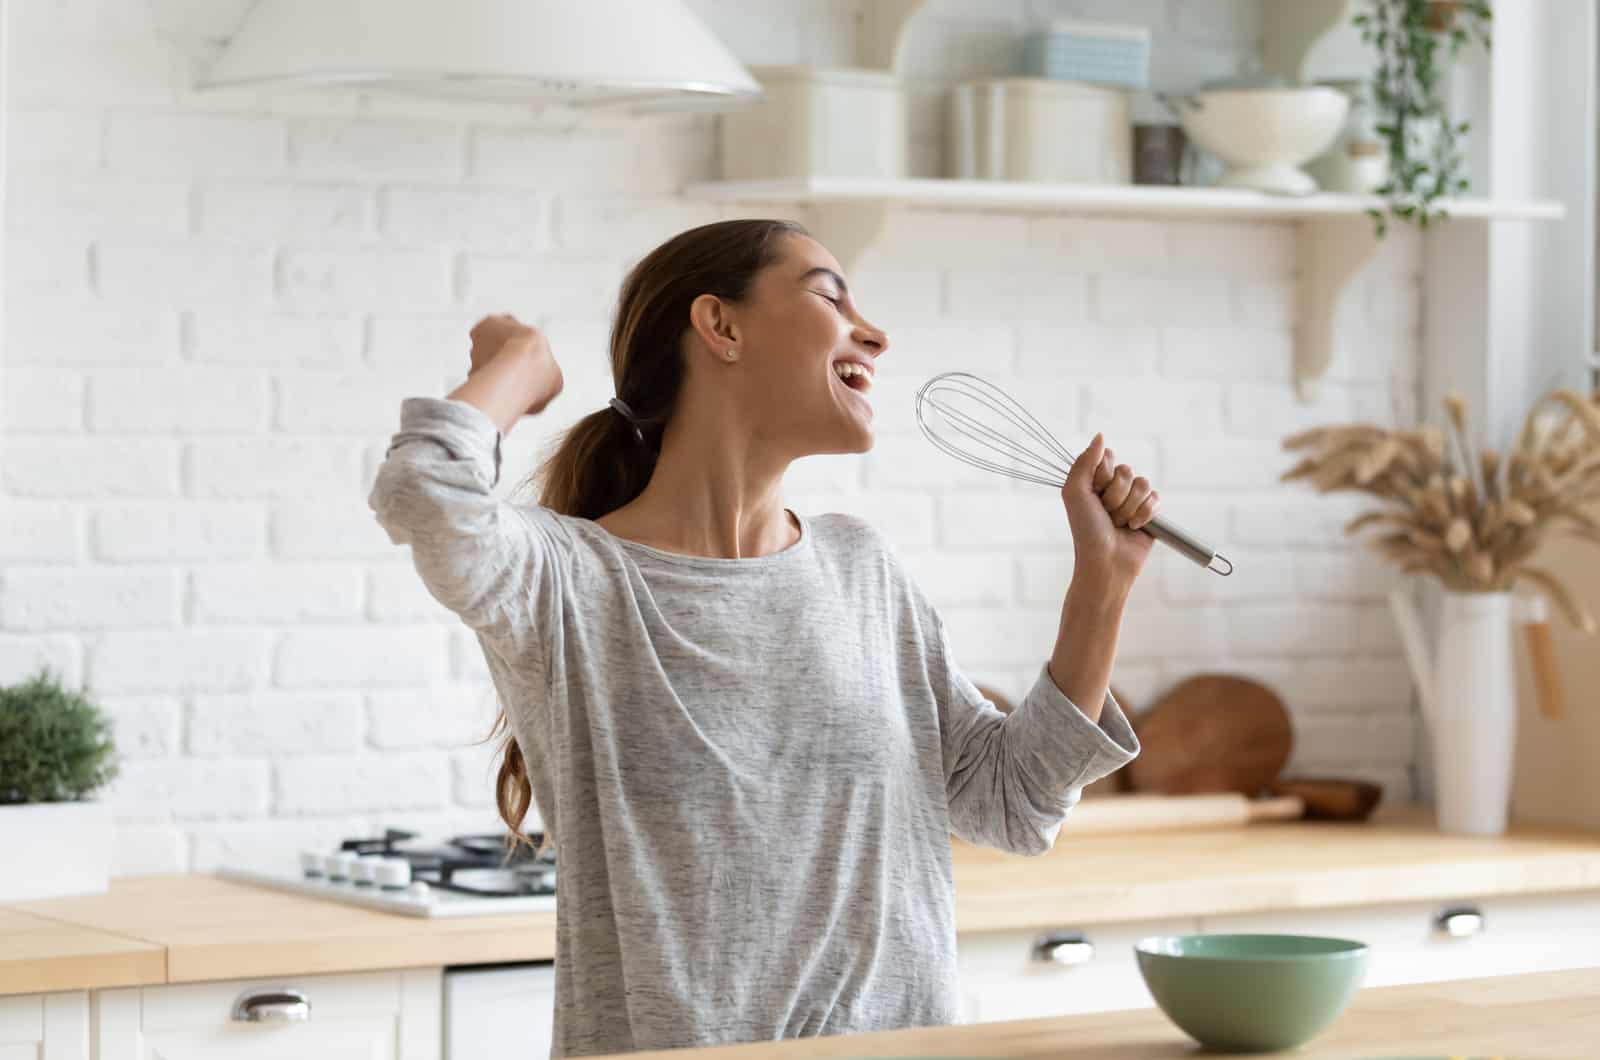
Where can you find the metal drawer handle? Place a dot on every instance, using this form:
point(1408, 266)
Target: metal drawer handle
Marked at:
point(1063, 948)
point(272, 1006)
point(1459, 922)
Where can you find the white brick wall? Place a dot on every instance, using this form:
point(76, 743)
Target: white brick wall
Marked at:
point(214, 305)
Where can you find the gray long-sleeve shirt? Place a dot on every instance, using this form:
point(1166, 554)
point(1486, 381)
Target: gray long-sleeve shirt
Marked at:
point(751, 767)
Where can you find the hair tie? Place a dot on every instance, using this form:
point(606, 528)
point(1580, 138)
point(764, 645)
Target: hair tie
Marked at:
point(622, 409)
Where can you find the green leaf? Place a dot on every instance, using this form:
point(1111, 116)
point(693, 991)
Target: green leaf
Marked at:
point(55, 745)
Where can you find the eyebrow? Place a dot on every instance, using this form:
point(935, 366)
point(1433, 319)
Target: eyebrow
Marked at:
point(844, 288)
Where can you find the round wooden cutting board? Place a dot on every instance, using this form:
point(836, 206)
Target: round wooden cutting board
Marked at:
point(1212, 733)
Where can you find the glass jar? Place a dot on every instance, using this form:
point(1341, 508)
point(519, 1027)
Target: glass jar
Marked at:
point(1358, 161)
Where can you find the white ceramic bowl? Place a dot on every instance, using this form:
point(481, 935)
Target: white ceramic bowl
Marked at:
point(1264, 135)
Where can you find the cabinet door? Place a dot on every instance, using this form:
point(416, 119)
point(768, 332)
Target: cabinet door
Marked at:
point(1417, 942)
point(1005, 975)
point(392, 1015)
point(45, 1026)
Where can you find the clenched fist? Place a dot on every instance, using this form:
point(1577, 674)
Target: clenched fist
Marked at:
point(503, 334)
point(1107, 507)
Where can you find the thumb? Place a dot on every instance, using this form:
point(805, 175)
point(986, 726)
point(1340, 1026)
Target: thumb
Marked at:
point(1081, 476)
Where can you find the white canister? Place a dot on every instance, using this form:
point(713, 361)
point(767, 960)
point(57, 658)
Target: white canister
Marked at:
point(1034, 129)
point(818, 123)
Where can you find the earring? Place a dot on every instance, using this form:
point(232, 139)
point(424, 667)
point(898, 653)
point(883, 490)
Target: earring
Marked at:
point(732, 354)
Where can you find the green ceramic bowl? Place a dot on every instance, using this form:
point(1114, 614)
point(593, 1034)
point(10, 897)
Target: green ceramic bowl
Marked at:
point(1251, 993)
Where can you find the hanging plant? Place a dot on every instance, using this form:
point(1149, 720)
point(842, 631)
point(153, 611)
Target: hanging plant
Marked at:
point(1415, 39)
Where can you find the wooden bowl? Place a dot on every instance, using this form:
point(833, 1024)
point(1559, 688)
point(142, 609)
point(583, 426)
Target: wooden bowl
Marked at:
point(1333, 799)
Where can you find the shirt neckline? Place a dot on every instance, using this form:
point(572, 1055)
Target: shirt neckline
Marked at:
point(724, 563)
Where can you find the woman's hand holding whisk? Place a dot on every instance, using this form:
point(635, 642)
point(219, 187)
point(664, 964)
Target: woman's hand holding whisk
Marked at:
point(1107, 503)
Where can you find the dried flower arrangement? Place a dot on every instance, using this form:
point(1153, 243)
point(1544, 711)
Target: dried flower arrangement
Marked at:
point(1472, 520)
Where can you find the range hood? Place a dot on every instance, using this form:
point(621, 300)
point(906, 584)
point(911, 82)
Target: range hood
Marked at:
point(650, 53)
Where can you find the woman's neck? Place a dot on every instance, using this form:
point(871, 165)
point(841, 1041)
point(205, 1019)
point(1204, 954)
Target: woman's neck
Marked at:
point(716, 491)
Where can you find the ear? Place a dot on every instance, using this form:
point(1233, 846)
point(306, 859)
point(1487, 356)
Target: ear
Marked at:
point(713, 322)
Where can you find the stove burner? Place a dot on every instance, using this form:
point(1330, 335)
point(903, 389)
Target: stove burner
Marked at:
point(469, 864)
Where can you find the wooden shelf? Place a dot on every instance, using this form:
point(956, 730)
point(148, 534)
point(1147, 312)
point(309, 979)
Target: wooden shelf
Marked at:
point(1335, 237)
point(1128, 200)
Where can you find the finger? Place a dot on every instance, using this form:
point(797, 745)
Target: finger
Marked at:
point(1105, 471)
point(1146, 513)
point(1138, 490)
point(1117, 492)
point(1085, 469)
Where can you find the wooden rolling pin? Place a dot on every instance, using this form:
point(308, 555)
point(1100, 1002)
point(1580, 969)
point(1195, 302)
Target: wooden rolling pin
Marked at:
point(1154, 813)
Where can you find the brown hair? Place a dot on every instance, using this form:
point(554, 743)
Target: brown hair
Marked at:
point(600, 464)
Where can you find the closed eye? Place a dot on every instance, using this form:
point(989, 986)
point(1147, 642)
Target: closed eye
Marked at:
point(838, 303)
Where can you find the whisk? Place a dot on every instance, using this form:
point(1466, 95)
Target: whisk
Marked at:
point(975, 421)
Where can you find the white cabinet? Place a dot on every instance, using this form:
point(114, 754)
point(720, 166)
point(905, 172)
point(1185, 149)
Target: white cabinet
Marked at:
point(390, 1015)
point(1012, 975)
point(1417, 942)
point(1410, 942)
point(45, 1026)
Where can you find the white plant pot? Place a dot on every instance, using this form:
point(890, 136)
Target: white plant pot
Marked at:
point(1469, 698)
point(1475, 727)
point(64, 849)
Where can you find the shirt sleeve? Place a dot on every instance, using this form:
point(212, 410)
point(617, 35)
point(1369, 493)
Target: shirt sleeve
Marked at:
point(484, 558)
point(1011, 779)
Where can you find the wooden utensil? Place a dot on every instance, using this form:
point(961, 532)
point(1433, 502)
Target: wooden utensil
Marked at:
point(1213, 733)
point(1331, 799)
point(1546, 671)
point(1153, 813)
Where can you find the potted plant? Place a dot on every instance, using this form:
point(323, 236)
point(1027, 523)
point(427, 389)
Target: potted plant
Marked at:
point(1414, 40)
point(56, 750)
point(1474, 522)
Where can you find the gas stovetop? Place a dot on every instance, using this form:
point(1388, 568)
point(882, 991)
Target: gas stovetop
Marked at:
point(470, 875)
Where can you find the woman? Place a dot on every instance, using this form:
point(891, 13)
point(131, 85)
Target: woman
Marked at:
point(743, 727)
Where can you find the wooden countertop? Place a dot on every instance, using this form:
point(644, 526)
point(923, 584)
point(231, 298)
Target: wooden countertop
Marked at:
point(210, 928)
point(1398, 856)
point(193, 927)
point(1550, 1014)
point(39, 955)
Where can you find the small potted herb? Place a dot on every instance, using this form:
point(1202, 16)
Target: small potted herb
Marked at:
point(1415, 40)
point(56, 751)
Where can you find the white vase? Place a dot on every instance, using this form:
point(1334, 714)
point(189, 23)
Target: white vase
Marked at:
point(63, 848)
point(1469, 702)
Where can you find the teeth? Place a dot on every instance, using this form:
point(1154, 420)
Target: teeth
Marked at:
point(850, 370)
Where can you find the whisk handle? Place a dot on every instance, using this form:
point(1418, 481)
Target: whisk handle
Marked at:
point(1170, 533)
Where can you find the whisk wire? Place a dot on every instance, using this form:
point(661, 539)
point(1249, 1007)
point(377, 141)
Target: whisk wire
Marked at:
point(977, 421)
point(1034, 468)
point(1037, 467)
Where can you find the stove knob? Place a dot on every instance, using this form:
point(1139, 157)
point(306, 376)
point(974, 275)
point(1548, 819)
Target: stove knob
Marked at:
point(393, 874)
point(364, 870)
point(338, 866)
point(311, 863)
point(420, 891)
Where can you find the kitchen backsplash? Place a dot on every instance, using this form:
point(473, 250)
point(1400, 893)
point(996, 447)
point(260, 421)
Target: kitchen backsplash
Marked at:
point(214, 306)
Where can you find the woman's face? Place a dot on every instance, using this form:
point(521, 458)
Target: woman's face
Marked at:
point(806, 356)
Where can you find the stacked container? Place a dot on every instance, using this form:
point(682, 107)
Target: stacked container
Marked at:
point(818, 123)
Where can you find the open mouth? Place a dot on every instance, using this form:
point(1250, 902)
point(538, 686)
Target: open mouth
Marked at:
point(854, 374)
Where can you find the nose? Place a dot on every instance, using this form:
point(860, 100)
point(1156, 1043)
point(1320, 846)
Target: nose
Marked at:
point(873, 339)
